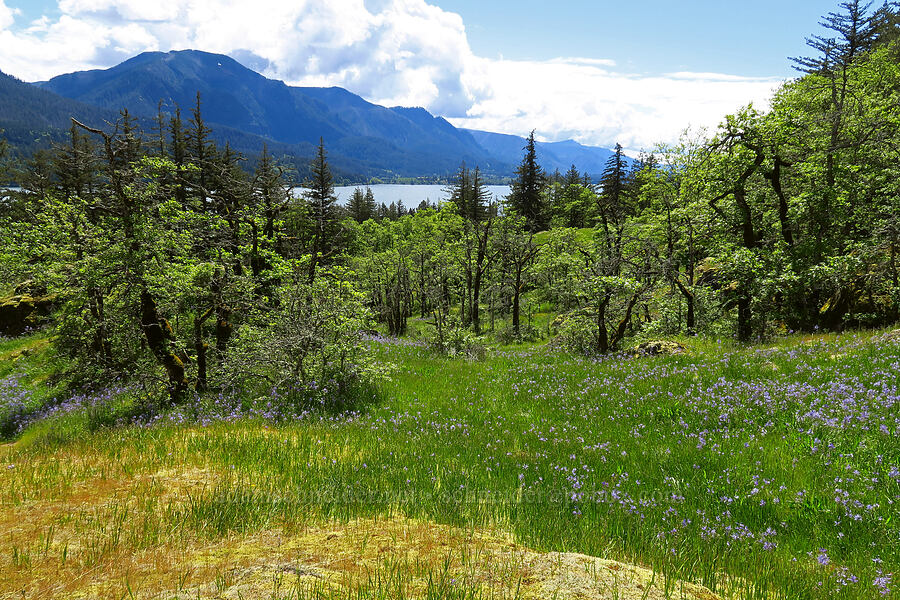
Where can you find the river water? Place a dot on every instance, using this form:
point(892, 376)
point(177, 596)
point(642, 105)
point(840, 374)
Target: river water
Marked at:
point(410, 195)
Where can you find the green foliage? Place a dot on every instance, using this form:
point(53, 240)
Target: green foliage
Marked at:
point(308, 348)
point(779, 220)
point(526, 197)
point(467, 192)
point(453, 340)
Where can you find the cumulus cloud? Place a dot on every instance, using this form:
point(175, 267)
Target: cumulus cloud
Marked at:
point(392, 52)
point(7, 16)
point(596, 105)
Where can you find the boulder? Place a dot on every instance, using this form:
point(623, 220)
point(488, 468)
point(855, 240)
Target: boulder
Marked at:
point(658, 347)
point(23, 311)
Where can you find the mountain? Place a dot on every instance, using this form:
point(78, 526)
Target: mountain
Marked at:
point(248, 110)
point(29, 114)
point(405, 141)
point(551, 155)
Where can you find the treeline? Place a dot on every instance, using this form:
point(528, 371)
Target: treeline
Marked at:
point(169, 257)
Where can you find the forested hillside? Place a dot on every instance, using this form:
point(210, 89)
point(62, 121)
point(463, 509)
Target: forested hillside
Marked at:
point(241, 99)
point(248, 111)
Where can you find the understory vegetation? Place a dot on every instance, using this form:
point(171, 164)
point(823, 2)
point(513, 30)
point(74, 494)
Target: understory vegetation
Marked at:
point(196, 362)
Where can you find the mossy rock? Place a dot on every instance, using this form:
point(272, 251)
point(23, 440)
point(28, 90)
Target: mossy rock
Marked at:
point(562, 318)
point(21, 312)
point(658, 347)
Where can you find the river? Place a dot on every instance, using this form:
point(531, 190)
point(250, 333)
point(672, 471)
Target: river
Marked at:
point(410, 195)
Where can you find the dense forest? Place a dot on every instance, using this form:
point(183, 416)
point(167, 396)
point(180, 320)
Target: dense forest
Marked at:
point(168, 259)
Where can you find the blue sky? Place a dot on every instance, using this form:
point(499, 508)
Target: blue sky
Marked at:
point(596, 71)
point(726, 36)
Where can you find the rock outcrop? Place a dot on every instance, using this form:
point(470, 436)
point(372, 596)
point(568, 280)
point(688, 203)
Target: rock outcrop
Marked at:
point(26, 308)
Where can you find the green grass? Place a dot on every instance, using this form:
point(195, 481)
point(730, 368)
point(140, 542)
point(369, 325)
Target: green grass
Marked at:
point(768, 471)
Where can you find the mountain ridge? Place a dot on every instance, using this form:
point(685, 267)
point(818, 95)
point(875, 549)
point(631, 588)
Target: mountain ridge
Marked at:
point(373, 140)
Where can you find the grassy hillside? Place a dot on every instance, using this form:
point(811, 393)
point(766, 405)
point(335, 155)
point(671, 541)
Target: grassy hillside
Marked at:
point(769, 471)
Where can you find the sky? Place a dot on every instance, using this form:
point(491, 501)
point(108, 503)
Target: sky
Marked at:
point(598, 71)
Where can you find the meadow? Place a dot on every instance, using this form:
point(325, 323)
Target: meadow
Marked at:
point(728, 471)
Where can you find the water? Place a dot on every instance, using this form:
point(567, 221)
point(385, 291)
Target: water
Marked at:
point(385, 193)
point(410, 195)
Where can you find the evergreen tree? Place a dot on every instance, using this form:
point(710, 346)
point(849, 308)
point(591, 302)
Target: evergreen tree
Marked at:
point(159, 130)
point(357, 206)
point(481, 197)
point(572, 209)
point(321, 203)
point(526, 197)
point(201, 151)
point(75, 165)
point(612, 206)
point(469, 194)
point(856, 32)
point(371, 207)
point(270, 191)
point(179, 154)
point(460, 190)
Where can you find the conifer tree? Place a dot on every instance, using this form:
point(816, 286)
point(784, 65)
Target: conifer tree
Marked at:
point(469, 194)
point(357, 206)
point(612, 200)
point(526, 197)
point(75, 165)
point(371, 207)
point(856, 32)
point(481, 197)
point(572, 207)
point(321, 203)
point(178, 152)
point(460, 190)
point(201, 149)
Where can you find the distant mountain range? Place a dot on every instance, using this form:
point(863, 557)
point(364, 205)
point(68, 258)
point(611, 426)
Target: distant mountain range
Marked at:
point(247, 109)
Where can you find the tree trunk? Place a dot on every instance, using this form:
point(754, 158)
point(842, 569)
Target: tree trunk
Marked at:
point(745, 327)
point(200, 347)
point(160, 337)
point(689, 300)
point(476, 299)
point(256, 265)
point(101, 344)
point(223, 331)
point(602, 336)
point(775, 179)
point(619, 333)
point(515, 307)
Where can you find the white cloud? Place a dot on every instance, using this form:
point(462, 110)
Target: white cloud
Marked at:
point(596, 105)
point(393, 52)
point(7, 15)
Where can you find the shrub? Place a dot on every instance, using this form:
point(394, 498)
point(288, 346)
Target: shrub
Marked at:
point(456, 341)
point(310, 348)
point(577, 334)
point(527, 333)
